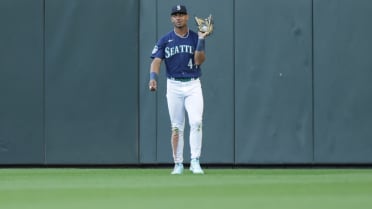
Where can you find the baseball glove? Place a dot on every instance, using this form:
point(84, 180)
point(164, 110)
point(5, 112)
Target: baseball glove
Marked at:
point(205, 25)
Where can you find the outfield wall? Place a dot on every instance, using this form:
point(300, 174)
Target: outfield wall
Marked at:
point(285, 82)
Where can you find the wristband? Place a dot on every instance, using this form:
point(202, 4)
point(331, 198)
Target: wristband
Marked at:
point(153, 76)
point(201, 45)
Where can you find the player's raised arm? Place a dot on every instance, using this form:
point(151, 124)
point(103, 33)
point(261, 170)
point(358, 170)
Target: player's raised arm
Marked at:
point(200, 49)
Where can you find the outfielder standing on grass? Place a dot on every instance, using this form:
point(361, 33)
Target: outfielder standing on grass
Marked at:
point(183, 52)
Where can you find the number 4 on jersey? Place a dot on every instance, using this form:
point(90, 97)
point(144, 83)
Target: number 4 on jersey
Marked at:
point(190, 64)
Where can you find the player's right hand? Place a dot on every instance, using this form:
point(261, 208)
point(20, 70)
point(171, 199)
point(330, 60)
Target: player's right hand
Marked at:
point(153, 85)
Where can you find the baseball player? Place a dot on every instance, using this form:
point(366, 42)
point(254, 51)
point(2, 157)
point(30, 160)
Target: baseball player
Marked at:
point(183, 52)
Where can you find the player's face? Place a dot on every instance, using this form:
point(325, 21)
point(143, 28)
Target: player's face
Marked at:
point(179, 20)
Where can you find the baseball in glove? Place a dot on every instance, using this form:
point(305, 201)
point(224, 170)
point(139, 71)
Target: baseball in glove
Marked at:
point(205, 25)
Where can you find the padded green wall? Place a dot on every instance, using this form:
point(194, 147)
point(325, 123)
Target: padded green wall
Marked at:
point(285, 82)
point(21, 82)
point(91, 69)
point(70, 73)
point(274, 92)
point(273, 81)
point(342, 81)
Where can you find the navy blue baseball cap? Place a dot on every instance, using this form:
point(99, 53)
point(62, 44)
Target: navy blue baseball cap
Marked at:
point(179, 9)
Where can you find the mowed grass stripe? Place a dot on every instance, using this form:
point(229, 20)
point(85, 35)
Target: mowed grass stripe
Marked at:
point(156, 188)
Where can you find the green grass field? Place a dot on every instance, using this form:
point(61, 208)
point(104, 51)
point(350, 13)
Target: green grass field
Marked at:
point(157, 189)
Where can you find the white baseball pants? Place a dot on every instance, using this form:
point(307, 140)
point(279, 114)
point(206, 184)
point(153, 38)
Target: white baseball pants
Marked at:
point(185, 97)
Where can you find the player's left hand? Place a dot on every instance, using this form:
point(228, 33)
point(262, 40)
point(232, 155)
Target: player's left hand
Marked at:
point(203, 35)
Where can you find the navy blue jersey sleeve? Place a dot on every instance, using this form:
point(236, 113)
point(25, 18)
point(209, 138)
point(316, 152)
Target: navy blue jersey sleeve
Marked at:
point(158, 50)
